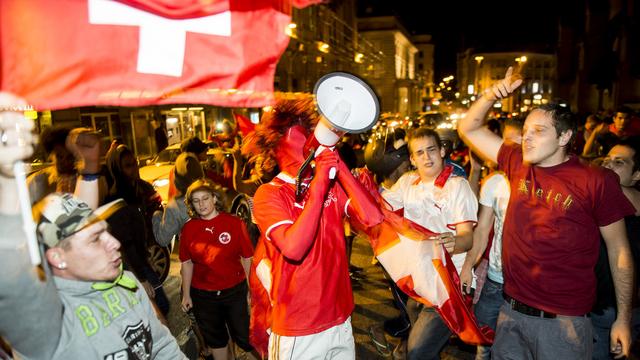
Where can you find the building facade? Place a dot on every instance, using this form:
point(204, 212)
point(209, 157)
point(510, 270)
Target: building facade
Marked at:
point(478, 71)
point(394, 78)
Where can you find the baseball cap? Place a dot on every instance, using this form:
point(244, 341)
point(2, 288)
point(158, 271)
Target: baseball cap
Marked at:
point(60, 215)
point(193, 145)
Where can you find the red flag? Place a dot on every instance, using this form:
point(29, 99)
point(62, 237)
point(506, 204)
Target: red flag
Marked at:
point(422, 269)
point(244, 124)
point(98, 52)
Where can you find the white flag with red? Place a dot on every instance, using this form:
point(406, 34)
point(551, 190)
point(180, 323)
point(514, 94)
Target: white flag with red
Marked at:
point(422, 269)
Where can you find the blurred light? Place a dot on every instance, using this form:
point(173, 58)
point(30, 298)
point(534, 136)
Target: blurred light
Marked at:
point(31, 114)
point(179, 109)
point(197, 108)
point(537, 96)
point(465, 102)
point(479, 58)
point(290, 30)
point(472, 98)
point(318, 59)
point(527, 101)
point(457, 94)
point(535, 87)
point(267, 108)
point(393, 124)
point(470, 89)
point(172, 120)
point(359, 58)
point(323, 47)
point(449, 88)
point(454, 116)
point(160, 183)
point(521, 59)
point(497, 105)
point(435, 102)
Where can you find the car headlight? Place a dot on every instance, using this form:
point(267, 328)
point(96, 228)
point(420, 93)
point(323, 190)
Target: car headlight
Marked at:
point(160, 183)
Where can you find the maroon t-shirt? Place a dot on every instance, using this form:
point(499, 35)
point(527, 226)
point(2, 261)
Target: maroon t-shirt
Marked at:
point(550, 240)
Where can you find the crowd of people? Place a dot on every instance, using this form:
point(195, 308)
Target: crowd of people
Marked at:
point(540, 225)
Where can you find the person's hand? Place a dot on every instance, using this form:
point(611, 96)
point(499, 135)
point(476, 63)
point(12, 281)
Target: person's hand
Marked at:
point(16, 139)
point(326, 161)
point(475, 161)
point(84, 144)
point(187, 304)
point(504, 87)
point(447, 239)
point(148, 288)
point(620, 338)
point(466, 278)
point(601, 129)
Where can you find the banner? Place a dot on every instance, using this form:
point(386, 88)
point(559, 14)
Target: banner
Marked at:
point(70, 53)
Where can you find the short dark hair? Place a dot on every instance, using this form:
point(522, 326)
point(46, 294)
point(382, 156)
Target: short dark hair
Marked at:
point(563, 119)
point(624, 109)
point(53, 136)
point(423, 132)
point(633, 143)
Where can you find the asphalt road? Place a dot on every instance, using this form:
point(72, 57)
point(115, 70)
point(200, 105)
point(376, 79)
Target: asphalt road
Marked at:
point(373, 305)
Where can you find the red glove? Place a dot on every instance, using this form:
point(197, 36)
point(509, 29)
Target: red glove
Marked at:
point(362, 206)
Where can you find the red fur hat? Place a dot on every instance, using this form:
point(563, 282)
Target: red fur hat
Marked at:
point(281, 133)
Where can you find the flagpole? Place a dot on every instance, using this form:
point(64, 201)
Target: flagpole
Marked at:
point(28, 224)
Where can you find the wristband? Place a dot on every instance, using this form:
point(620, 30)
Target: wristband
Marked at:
point(90, 177)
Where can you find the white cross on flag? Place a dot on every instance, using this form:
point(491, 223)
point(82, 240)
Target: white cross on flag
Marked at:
point(69, 53)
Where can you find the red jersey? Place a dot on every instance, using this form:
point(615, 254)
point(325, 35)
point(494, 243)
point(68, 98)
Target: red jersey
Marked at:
point(215, 247)
point(551, 235)
point(313, 294)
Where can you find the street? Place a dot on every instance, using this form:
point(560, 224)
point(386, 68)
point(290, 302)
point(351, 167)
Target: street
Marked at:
point(373, 305)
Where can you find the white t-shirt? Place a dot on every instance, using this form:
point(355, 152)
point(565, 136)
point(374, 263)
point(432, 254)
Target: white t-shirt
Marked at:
point(437, 209)
point(495, 193)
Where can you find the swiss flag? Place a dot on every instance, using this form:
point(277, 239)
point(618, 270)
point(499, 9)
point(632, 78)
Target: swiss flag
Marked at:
point(73, 53)
point(422, 269)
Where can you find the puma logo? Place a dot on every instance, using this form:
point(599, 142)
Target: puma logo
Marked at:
point(209, 230)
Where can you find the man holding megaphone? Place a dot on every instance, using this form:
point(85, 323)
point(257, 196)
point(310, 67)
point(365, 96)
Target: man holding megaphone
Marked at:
point(300, 258)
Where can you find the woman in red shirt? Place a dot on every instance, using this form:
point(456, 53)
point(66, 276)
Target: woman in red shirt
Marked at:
point(216, 252)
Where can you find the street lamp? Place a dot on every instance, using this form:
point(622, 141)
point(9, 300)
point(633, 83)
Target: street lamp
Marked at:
point(478, 60)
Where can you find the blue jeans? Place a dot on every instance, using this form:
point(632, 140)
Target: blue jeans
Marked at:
point(428, 335)
point(487, 310)
point(601, 330)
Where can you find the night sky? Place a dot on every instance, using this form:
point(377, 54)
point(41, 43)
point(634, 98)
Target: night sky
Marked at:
point(483, 25)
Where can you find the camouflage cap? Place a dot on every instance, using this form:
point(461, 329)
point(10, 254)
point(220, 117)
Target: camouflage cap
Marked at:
point(61, 215)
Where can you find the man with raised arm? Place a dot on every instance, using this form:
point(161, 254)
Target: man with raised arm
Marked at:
point(557, 209)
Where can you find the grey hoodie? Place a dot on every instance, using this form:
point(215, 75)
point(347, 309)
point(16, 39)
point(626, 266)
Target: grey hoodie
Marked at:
point(88, 324)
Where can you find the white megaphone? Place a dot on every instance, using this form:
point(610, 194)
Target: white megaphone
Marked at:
point(346, 105)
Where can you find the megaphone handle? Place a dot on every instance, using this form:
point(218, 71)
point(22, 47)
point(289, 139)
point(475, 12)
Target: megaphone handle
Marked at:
point(303, 167)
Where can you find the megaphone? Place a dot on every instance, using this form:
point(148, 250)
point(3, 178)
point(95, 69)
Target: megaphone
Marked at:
point(346, 105)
